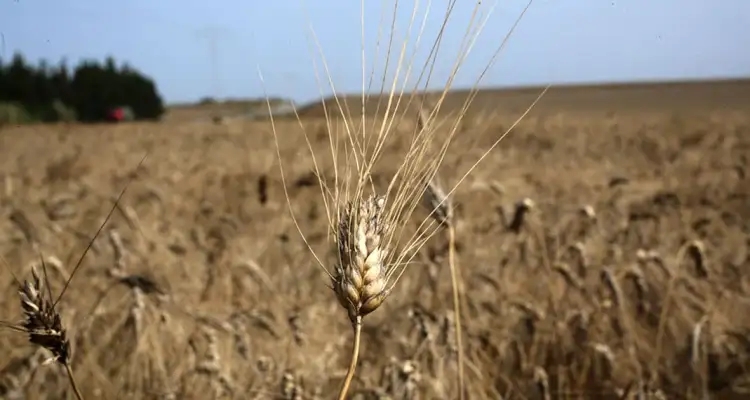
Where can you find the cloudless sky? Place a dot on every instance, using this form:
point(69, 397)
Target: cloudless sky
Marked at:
point(556, 41)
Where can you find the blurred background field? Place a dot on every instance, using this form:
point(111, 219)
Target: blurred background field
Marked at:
point(206, 223)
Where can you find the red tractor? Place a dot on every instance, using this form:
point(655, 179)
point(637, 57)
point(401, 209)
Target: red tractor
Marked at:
point(120, 114)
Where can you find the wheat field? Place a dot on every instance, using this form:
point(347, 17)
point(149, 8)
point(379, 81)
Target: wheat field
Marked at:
point(625, 277)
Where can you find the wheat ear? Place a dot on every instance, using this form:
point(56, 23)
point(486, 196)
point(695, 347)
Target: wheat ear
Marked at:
point(43, 325)
point(365, 230)
point(359, 279)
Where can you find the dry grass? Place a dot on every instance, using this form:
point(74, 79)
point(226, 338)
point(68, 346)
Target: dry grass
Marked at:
point(203, 285)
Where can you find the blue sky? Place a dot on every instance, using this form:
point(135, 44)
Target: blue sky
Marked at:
point(557, 41)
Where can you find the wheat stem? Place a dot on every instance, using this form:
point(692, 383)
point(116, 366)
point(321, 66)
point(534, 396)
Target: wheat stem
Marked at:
point(357, 325)
point(456, 306)
point(73, 381)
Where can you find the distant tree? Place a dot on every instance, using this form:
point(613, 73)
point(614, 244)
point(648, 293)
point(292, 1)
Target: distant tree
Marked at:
point(53, 93)
point(19, 86)
point(207, 100)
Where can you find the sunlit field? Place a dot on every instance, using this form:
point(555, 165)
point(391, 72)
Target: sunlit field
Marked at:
point(602, 248)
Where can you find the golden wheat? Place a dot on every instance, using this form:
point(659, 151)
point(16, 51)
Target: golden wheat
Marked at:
point(373, 246)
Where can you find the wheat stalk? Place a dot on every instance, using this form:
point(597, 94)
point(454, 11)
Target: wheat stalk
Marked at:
point(695, 341)
point(541, 379)
point(441, 208)
point(360, 279)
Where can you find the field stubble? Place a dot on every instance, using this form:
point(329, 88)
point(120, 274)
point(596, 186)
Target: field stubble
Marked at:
point(201, 287)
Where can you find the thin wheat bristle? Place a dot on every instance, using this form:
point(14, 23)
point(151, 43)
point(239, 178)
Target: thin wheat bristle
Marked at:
point(42, 323)
point(359, 279)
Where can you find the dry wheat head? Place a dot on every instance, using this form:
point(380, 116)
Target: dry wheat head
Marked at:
point(438, 203)
point(41, 321)
point(359, 279)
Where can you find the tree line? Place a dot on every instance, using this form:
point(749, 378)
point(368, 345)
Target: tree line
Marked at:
point(88, 93)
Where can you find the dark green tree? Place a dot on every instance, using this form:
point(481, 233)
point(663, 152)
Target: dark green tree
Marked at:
point(90, 92)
